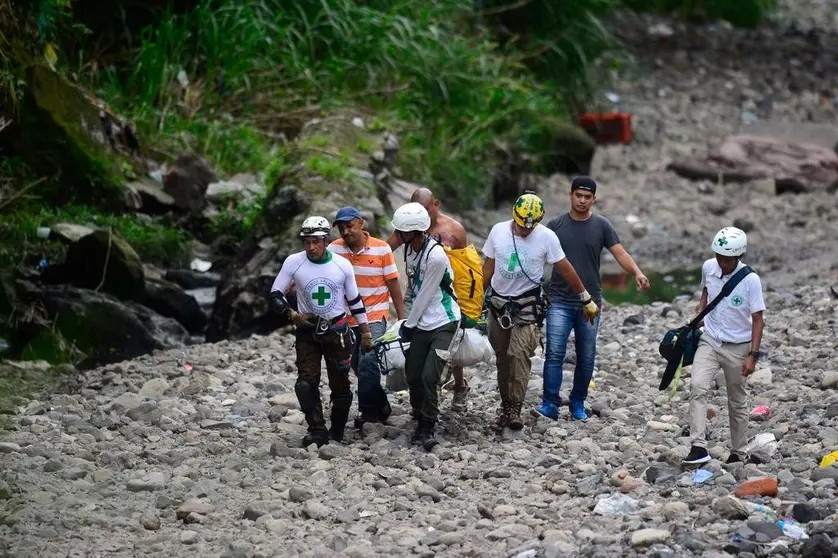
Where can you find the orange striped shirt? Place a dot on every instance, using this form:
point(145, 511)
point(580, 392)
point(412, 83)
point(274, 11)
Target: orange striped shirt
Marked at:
point(373, 266)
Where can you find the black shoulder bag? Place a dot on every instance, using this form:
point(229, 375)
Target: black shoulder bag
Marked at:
point(679, 345)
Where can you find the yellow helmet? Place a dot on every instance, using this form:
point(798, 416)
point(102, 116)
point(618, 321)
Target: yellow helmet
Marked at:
point(528, 210)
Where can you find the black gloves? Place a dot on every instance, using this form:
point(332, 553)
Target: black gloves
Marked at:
point(405, 333)
point(279, 303)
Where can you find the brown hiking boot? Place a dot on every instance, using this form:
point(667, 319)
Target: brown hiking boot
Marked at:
point(502, 419)
point(514, 421)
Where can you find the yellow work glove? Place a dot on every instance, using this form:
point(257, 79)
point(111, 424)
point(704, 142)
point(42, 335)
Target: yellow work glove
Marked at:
point(589, 307)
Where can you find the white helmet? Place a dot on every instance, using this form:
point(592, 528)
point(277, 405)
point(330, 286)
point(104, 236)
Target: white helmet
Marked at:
point(730, 241)
point(411, 217)
point(315, 226)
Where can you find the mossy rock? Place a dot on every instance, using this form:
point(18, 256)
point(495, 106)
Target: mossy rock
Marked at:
point(49, 345)
point(57, 131)
point(86, 260)
point(92, 328)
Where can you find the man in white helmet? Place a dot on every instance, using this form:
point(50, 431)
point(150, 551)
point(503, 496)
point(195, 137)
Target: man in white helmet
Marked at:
point(433, 319)
point(452, 235)
point(730, 341)
point(326, 290)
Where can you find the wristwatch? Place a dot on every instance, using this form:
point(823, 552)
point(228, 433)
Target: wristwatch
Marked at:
point(756, 354)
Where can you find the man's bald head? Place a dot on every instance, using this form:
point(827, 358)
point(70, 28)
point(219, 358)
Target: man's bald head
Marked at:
point(425, 197)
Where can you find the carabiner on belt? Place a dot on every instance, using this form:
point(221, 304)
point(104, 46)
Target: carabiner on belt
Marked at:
point(322, 326)
point(505, 321)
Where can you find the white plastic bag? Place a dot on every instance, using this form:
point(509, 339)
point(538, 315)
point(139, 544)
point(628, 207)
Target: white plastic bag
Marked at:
point(391, 350)
point(474, 349)
point(616, 504)
point(394, 358)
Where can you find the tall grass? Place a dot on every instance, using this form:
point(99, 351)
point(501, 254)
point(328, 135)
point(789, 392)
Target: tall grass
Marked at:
point(253, 68)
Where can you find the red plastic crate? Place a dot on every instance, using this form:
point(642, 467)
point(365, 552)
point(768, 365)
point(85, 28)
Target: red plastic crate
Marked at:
point(610, 127)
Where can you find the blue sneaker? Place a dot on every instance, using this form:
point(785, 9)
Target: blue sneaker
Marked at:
point(577, 412)
point(547, 410)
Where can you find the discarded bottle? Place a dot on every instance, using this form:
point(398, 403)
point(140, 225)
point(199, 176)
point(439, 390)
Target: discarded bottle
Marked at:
point(758, 508)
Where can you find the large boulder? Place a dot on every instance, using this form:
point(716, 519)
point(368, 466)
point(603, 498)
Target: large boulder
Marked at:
point(187, 182)
point(59, 129)
point(171, 301)
point(102, 328)
point(104, 258)
point(813, 166)
point(799, 157)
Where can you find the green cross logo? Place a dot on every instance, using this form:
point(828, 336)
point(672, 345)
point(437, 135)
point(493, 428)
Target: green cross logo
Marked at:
point(737, 301)
point(722, 241)
point(513, 262)
point(321, 296)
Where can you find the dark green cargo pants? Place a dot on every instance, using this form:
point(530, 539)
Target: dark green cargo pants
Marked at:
point(425, 362)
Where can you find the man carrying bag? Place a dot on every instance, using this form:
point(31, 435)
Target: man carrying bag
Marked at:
point(733, 324)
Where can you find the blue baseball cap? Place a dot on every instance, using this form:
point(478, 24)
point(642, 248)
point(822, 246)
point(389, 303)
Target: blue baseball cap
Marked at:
point(346, 214)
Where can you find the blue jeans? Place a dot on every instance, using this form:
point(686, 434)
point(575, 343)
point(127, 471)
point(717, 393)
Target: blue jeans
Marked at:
point(371, 396)
point(561, 319)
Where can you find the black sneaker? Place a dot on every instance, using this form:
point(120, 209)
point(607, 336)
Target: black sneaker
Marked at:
point(319, 439)
point(361, 419)
point(336, 434)
point(734, 458)
point(697, 455)
point(384, 413)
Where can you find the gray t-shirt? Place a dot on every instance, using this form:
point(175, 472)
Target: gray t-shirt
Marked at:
point(582, 241)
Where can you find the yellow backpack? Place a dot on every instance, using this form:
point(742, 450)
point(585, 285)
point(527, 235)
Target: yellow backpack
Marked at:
point(468, 280)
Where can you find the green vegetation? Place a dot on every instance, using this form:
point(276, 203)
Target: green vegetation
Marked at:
point(154, 241)
point(226, 80)
point(230, 79)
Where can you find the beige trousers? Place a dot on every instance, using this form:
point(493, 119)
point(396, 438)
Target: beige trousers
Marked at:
point(708, 360)
point(513, 349)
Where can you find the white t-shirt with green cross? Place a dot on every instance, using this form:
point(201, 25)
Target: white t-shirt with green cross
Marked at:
point(541, 247)
point(322, 287)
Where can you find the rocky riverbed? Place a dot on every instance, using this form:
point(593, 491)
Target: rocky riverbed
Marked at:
point(196, 452)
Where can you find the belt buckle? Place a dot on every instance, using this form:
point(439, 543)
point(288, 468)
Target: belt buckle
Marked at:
point(322, 326)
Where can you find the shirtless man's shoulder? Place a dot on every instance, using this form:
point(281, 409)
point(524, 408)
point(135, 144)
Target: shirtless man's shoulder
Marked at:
point(450, 232)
